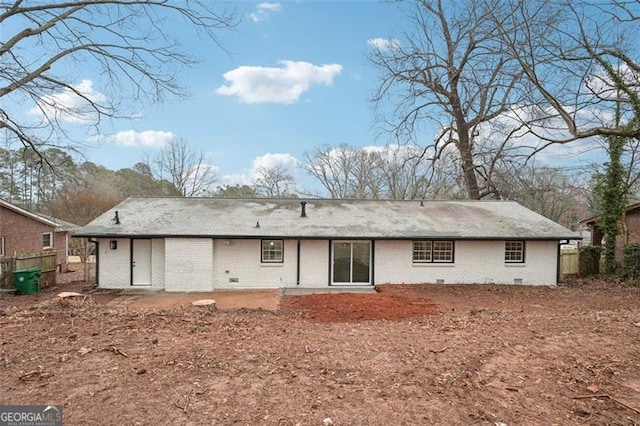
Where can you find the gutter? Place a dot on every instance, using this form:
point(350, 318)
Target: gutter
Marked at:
point(330, 236)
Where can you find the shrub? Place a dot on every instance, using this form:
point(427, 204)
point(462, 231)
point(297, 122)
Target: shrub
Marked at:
point(589, 263)
point(632, 261)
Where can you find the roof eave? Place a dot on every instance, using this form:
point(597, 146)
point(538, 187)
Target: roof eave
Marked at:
point(335, 237)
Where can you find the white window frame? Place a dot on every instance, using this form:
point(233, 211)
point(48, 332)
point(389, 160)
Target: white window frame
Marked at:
point(50, 234)
point(514, 251)
point(269, 247)
point(434, 251)
point(422, 250)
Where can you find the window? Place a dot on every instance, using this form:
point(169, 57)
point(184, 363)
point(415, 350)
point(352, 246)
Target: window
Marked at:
point(47, 240)
point(432, 251)
point(1, 246)
point(272, 251)
point(422, 251)
point(443, 251)
point(514, 251)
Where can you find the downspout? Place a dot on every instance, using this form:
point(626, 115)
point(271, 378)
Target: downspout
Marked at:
point(303, 214)
point(373, 263)
point(560, 243)
point(298, 265)
point(330, 266)
point(86, 260)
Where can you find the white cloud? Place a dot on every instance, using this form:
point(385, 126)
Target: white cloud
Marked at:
point(146, 139)
point(235, 179)
point(601, 83)
point(77, 105)
point(284, 85)
point(274, 7)
point(263, 10)
point(524, 142)
point(383, 44)
point(267, 161)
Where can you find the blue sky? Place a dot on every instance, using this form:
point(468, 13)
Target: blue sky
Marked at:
point(292, 77)
point(295, 77)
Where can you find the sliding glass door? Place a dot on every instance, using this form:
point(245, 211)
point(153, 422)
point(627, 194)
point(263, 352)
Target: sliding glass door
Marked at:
point(351, 262)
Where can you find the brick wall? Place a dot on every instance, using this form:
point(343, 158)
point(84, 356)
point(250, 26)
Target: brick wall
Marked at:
point(314, 263)
point(479, 262)
point(23, 235)
point(633, 226)
point(114, 265)
point(239, 261)
point(157, 263)
point(203, 264)
point(188, 264)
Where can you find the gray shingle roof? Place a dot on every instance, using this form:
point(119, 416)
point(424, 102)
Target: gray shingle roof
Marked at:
point(237, 218)
point(62, 224)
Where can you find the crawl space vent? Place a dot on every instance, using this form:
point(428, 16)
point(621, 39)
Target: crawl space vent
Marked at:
point(517, 280)
point(439, 281)
point(234, 280)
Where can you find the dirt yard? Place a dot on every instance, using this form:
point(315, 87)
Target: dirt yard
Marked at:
point(488, 355)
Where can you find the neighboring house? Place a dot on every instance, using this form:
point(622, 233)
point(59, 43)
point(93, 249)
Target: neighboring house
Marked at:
point(23, 232)
point(201, 244)
point(585, 234)
point(630, 226)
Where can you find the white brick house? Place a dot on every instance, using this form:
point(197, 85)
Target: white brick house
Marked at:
point(201, 244)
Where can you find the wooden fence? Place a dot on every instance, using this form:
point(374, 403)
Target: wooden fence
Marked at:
point(45, 261)
point(569, 262)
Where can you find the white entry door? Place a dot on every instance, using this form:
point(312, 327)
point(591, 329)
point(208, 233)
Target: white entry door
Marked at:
point(141, 262)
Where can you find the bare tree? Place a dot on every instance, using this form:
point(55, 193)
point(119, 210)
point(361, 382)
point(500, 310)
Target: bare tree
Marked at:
point(584, 67)
point(185, 168)
point(346, 172)
point(331, 167)
point(235, 191)
point(451, 70)
point(406, 174)
point(555, 193)
point(46, 46)
point(81, 205)
point(503, 80)
point(275, 181)
point(389, 172)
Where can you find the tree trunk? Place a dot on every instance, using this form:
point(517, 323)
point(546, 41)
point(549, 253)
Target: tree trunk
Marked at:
point(468, 168)
point(466, 156)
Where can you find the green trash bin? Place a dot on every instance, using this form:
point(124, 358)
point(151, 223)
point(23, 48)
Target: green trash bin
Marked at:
point(27, 280)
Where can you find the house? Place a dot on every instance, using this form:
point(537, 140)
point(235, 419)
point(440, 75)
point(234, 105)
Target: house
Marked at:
point(24, 232)
point(201, 244)
point(630, 226)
